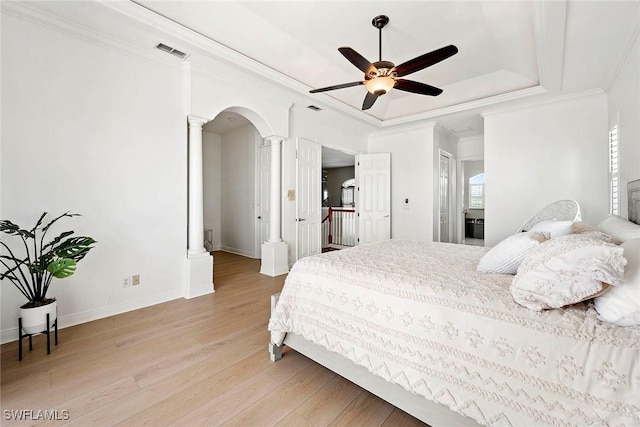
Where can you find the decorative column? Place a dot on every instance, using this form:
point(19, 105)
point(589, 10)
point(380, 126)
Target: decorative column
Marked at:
point(275, 257)
point(199, 261)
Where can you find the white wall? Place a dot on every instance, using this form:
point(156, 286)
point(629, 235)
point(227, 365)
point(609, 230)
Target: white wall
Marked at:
point(212, 169)
point(238, 171)
point(624, 99)
point(101, 132)
point(412, 159)
point(328, 130)
point(471, 148)
point(542, 153)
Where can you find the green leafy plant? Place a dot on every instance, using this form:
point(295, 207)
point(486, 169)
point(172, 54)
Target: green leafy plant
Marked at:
point(33, 271)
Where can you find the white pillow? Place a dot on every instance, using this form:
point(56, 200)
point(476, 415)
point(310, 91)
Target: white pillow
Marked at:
point(567, 270)
point(621, 305)
point(506, 256)
point(619, 229)
point(554, 227)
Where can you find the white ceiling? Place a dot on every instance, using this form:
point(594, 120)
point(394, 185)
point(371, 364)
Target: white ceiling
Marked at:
point(506, 48)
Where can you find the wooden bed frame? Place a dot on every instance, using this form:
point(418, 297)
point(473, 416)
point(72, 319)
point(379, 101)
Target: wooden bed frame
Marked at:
point(425, 410)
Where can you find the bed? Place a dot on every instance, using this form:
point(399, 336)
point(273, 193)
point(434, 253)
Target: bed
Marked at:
point(418, 325)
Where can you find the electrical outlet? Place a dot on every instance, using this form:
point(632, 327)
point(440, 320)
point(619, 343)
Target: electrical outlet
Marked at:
point(126, 282)
point(135, 280)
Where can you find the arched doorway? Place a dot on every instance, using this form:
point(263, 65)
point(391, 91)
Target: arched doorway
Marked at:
point(199, 260)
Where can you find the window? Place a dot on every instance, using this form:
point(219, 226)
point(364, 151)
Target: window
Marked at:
point(614, 179)
point(476, 191)
point(347, 196)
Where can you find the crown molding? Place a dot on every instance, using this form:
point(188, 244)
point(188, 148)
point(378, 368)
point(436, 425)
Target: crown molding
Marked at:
point(634, 40)
point(467, 106)
point(30, 12)
point(542, 101)
point(549, 30)
point(209, 47)
point(424, 125)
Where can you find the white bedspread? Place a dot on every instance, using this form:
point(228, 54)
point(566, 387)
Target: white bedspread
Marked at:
point(419, 314)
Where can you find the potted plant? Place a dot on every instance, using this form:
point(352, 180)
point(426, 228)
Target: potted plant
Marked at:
point(38, 262)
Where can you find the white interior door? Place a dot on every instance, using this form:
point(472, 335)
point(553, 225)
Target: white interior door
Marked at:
point(308, 197)
point(263, 194)
point(445, 196)
point(373, 205)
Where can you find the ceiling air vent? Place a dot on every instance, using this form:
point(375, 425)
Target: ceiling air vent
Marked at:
point(314, 108)
point(172, 51)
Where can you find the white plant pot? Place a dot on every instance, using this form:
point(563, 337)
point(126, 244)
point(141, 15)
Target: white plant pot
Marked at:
point(34, 320)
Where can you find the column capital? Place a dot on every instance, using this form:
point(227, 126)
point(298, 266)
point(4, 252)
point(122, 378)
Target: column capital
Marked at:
point(196, 121)
point(274, 139)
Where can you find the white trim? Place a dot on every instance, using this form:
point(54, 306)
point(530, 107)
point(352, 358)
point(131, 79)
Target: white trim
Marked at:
point(430, 125)
point(237, 251)
point(27, 11)
point(542, 101)
point(624, 55)
point(11, 334)
point(549, 28)
point(466, 106)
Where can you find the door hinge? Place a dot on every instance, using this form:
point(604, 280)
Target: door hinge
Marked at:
point(296, 153)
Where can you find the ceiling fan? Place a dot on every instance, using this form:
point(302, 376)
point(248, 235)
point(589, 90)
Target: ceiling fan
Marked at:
point(381, 76)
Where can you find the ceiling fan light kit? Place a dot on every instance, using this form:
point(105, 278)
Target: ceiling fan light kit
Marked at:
point(382, 76)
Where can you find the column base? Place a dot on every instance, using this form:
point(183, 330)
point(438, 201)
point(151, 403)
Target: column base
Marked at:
point(275, 259)
point(199, 275)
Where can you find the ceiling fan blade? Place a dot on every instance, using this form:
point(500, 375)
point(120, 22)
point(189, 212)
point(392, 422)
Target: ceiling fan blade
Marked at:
point(424, 61)
point(417, 87)
point(340, 86)
point(369, 100)
point(358, 60)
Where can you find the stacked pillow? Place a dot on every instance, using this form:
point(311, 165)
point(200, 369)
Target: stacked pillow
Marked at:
point(567, 270)
point(506, 256)
point(621, 305)
point(558, 263)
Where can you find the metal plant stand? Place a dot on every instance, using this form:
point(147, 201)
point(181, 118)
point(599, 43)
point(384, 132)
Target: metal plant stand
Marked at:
point(48, 332)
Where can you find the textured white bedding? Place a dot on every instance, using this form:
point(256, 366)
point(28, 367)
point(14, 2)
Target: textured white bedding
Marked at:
point(419, 314)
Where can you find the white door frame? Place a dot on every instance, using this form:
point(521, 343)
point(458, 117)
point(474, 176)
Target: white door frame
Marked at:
point(460, 196)
point(451, 200)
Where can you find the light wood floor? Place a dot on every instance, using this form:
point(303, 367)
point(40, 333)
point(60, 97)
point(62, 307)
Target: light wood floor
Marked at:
point(186, 362)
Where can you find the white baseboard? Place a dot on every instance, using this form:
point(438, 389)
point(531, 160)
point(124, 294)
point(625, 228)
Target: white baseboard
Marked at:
point(237, 251)
point(11, 334)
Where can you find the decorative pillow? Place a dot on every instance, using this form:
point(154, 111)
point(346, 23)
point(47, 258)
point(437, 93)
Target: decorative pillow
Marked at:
point(554, 227)
point(619, 229)
point(621, 306)
point(582, 228)
point(506, 256)
point(567, 270)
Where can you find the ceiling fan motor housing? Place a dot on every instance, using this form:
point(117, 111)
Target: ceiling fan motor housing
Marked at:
point(380, 21)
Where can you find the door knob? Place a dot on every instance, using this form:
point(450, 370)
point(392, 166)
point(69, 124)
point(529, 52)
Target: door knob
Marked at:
point(260, 217)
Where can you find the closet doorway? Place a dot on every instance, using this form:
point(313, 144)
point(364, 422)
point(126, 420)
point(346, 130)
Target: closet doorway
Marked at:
point(473, 192)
